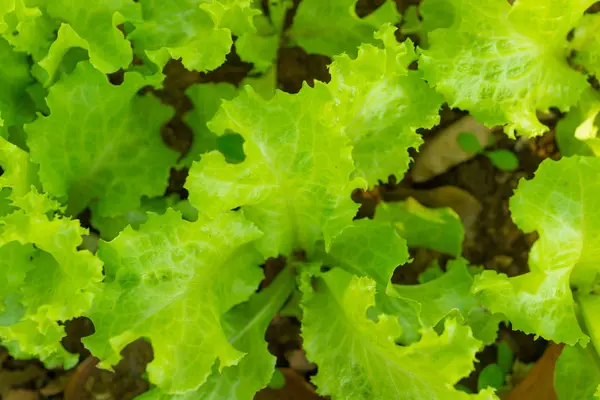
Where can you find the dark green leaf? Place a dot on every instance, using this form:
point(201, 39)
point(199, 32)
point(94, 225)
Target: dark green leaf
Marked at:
point(503, 159)
point(469, 142)
point(492, 375)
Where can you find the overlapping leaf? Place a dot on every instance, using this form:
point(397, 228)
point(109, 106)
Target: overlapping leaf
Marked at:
point(436, 229)
point(207, 99)
point(95, 28)
point(358, 358)
point(171, 282)
point(294, 183)
point(577, 132)
point(245, 326)
point(586, 43)
point(44, 278)
point(26, 28)
point(313, 17)
point(435, 14)
point(438, 297)
point(348, 107)
point(502, 65)
point(15, 263)
point(577, 374)
point(446, 295)
point(18, 173)
point(110, 227)
point(582, 365)
point(17, 178)
point(560, 204)
point(382, 103)
point(16, 106)
point(197, 31)
point(62, 56)
point(260, 47)
point(101, 143)
point(51, 283)
point(3, 130)
point(369, 249)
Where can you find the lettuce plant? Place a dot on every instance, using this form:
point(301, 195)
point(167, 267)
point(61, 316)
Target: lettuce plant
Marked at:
point(185, 274)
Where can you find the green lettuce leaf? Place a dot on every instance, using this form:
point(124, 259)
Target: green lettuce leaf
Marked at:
point(171, 282)
point(369, 248)
point(101, 143)
point(577, 132)
point(405, 311)
point(502, 64)
point(437, 298)
point(586, 43)
point(16, 105)
point(245, 326)
point(197, 31)
point(589, 307)
point(18, 173)
point(577, 374)
point(560, 204)
point(358, 358)
point(382, 103)
point(348, 107)
point(3, 130)
point(435, 14)
point(313, 17)
point(260, 50)
point(294, 183)
point(110, 227)
point(16, 261)
point(431, 302)
point(27, 29)
point(567, 189)
point(235, 15)
point(538, 303)
point(207, 99)
point(95, 29)
point(45, 279)
point(437, 229)
point(60, 54)
point(260, 47)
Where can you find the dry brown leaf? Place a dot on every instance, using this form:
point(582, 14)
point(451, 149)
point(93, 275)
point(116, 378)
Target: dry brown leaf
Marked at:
point(539, 382)
point(75, 387)
point(56, 386)
point(21, 394)
point(9, 379)
point(299, 362)
point(443, 152)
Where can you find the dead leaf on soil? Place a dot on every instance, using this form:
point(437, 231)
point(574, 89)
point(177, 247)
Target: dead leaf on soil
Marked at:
point(10, 379)
point(442, 152)
point(539, 382)
point(75, 386)
point(296, 388)
point(56, 386)
point(21, 394)
point(299, 362)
